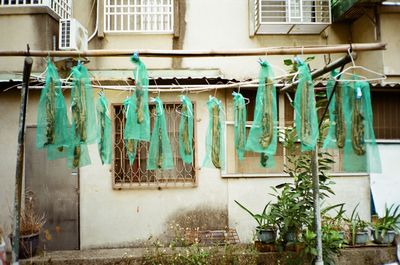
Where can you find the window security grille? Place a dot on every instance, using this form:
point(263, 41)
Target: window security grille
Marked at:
point(63, 8)
point(138, 16)
point(291, 16)
point(126, 176)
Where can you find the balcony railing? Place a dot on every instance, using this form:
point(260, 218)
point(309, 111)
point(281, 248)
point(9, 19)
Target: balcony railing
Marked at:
point(63, 8)
point(292, 16)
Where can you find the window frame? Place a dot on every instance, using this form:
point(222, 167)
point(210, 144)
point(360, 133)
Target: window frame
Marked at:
point(171, 184)
point(107, 18)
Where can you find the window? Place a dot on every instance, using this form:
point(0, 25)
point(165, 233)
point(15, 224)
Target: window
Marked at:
point(291, 16)
point(63, 8)
point(138, 16)
point(127, 176)
point(386, 112)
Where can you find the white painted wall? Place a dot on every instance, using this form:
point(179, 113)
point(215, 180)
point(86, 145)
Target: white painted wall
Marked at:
point(385, 185)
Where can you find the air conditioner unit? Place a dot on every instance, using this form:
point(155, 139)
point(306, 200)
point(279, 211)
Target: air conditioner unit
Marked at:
point(73, 36)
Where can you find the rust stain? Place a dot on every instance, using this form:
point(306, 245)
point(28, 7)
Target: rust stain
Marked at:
point(58, 229)
point(47, 235)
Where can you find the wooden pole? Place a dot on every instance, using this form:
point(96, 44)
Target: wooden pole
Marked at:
point(20, 159)
point(323, 49)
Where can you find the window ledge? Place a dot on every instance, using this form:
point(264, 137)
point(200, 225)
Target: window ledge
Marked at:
point(284, 175)
point(28, 10)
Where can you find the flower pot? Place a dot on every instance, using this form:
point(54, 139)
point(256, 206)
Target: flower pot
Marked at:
point(290, 237)
point(361, 238)
point(27, 245)
point(266, 235)
point(386, 239)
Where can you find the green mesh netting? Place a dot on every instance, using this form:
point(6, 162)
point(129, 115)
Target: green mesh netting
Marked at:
point(361, 153)
point(240, 117)
point(306, 119)
point(52, 120)
point(336, 135)
point(215, 132)
point(185, 135)
point(84, 126)
point(104, 126)
point(160, 152)
point(130, 114)
point(141, 115)
point(264, 130)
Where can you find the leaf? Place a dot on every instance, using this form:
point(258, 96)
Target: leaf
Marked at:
point(288, 62)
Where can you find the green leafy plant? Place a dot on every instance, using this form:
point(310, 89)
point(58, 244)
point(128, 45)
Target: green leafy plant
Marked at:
point(337, 221)
point(356, 225)
point(264, 219)
point(388, 222)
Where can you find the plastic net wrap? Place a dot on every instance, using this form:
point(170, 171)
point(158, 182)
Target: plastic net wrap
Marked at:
point(141, 114)
point(264, 131)
point(240, 117)
point(52, 120)
point(84, 126)
point(185, 135)
point(306, 119)
point(214, 140)
point(361, 153)
point(337, 123)
point(104, 127)
point(130, 113)
point(160, 152)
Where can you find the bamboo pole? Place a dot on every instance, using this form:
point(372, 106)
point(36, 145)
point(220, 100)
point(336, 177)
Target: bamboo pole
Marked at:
point(20, 159)
point(321, 49)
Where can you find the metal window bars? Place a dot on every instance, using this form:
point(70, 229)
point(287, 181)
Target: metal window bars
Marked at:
point(136, 176)
point(292, 16)
point(63, 8)
point(138, 16)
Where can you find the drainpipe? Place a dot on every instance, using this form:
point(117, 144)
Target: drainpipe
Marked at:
point(97, 22)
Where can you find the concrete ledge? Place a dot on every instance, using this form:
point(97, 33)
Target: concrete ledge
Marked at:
point(363, 255)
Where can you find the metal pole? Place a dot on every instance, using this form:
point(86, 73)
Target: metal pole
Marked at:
point(322, 49)
point(20, 159)
point(315, 182)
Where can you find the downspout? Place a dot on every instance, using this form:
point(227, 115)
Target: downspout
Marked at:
point(97, 22)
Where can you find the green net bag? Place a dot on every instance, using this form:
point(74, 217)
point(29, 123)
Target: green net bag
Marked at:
point(104, 126)
point(239, 129)
point(361, 153)
point(336, 135)
point(78, 155)
point(52, 119)
point(185, 135)
point(130, 113)
point(160, 152)
point(141, 115)
point(84, 126)
point(214, 140)
point(263, 134)
point(306, 119)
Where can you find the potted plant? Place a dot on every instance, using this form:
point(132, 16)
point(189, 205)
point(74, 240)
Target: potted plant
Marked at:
point(266, 228)
point(31, 224)
point(336, 222)
point(289, 213)
point(386, 227)
point(358, 232)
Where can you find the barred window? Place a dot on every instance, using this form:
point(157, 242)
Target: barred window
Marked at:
point(138, 16)
point(126, 176)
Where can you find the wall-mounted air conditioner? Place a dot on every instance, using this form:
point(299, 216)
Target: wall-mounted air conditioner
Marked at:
point(73, 36)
